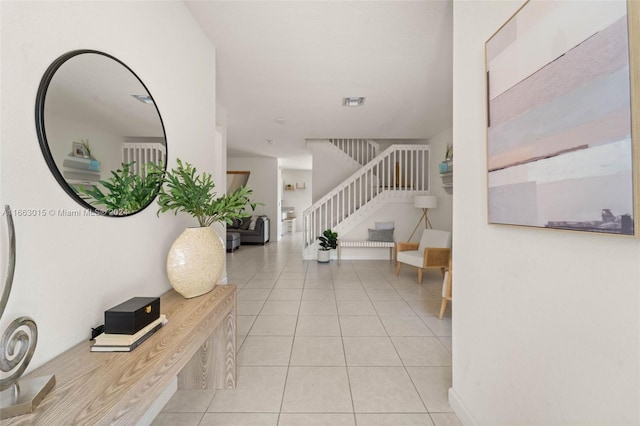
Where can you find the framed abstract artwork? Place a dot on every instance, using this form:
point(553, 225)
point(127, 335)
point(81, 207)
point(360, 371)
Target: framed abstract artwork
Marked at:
point(563, 95)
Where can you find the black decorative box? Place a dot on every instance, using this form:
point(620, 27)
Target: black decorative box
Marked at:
point(131, 316)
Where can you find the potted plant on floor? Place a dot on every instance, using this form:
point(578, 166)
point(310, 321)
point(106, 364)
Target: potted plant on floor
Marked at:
point(328, 241)
point(196, 258)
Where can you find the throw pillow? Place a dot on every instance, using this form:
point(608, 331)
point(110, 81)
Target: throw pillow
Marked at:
point(385, 225)
point(385, 235)
point(252, 224)
point(245, 223)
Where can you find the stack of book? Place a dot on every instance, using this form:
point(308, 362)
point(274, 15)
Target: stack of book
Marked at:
point(126, 342)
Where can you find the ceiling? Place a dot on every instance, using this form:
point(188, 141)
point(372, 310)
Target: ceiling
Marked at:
point(95, 90)
point(296, 60)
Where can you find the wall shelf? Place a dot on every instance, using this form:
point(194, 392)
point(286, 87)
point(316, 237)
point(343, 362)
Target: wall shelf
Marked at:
point(447, 180)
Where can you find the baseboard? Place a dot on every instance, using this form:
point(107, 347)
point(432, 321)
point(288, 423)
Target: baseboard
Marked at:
point(460, 408)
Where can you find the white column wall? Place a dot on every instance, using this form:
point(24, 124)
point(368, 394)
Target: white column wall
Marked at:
point(329, 170)
point(546, 323)
point(264, 182)
point(442, 216)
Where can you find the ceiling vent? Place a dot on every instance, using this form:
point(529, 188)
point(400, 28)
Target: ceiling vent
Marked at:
point(353, 102)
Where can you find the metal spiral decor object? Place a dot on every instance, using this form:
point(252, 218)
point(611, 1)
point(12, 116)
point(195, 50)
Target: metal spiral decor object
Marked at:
point(16, 349)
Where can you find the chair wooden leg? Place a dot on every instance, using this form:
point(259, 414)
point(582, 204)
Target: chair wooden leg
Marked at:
point(398, 265)
point(443, 306)
point(419, 275)
point(443, 270)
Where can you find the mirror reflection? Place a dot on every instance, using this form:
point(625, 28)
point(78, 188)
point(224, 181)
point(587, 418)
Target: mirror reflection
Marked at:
point(101, 133)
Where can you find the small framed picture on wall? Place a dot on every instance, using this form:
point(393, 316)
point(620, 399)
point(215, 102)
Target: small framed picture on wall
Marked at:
point(79, 150)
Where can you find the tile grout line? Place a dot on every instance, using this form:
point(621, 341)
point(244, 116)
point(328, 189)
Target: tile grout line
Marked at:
point(344, 353)
point(293, 342)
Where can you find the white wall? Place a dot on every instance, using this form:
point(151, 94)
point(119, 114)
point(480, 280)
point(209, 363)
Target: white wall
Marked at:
point(299, 198)
point(70, 269)
point(62, 131)
point(442, 216)
point(405, 217)
point(329, 170)
point(546, 323)
point(264, 182)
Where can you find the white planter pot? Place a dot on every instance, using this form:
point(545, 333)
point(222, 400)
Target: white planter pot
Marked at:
point(324, 256)
point(195, 261)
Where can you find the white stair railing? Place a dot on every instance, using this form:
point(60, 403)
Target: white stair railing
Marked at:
point(142, 154)
point(361, 150)
point(400, 168)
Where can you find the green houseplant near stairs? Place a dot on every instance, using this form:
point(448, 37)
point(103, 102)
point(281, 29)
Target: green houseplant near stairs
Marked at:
point(328, 241)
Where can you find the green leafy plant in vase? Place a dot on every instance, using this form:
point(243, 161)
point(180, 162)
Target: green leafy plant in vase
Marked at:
point(192, 193)
point(125, 192)
point(196, 258)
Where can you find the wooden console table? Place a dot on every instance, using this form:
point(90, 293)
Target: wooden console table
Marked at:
point(198, 345)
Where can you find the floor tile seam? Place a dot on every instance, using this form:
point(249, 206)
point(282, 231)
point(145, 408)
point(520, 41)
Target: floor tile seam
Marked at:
point(201, 417)
point(317, 412)
point(431, 417)
point(286, 378)
point(358, 315)
point(183, 412)
point(445, 346)
point(260, 312)
point(374, 309)
point(241, 412)
point(425, 323)
point(404, 363)
point(344, 353)
point(206, 410)
point(411, 306)
point(271, 335)
point(393, 412)
point(415, 387)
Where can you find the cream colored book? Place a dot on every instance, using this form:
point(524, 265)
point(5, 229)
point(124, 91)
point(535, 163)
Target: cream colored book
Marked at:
point(127, 339)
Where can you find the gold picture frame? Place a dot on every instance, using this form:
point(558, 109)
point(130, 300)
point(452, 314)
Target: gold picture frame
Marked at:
point(563, 118)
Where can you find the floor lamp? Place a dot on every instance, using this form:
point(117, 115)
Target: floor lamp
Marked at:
point(424, 202)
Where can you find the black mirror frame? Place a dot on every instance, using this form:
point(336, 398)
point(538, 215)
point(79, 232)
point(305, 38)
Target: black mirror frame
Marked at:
point(42, 134)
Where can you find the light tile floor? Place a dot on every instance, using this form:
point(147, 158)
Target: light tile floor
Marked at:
point(328, 344)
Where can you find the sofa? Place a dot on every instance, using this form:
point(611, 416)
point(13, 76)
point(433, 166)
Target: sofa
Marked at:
point(252, 230)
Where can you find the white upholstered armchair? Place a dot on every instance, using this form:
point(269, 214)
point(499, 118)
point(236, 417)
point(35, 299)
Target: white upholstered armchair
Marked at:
point(433, 251)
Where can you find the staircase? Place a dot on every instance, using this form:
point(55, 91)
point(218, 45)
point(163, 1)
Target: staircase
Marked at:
point(361, 150)
point(399, 171)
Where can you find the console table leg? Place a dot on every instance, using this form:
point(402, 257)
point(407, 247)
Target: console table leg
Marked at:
point(213, 366)
point(225, 352)
point(197, 373)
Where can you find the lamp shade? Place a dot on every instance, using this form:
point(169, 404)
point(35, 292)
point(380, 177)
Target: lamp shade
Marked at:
point(425, 201)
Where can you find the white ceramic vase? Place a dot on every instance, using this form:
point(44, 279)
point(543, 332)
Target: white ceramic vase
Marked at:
point(195, 261)
point(324, 256)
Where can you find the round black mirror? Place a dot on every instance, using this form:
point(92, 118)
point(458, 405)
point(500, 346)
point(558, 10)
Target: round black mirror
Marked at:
point(101, 133)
